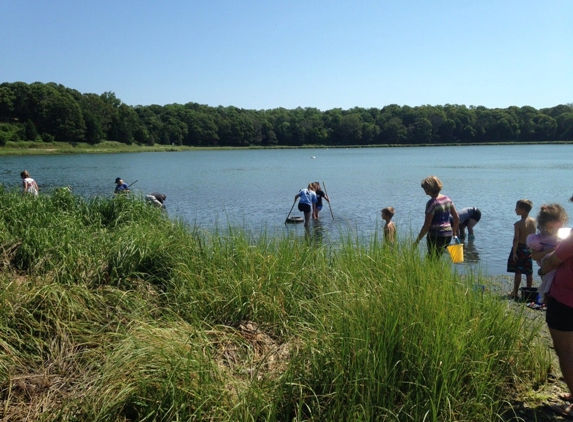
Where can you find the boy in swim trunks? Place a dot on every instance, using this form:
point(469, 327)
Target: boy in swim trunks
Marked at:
point(519, 261)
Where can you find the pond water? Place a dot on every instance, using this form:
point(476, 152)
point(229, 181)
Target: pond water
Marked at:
point(255, 189)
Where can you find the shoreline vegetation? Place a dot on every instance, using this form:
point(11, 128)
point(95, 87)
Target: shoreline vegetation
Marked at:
point(15, 148)
point(111, 311)
point(51, 112)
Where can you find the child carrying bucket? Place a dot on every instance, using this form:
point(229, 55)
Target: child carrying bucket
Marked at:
point(549, 220)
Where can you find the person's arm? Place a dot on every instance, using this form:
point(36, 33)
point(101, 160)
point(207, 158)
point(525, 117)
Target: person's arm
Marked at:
point(515, 241)
point(538, 255)
point(550, 263)
point(425, 228)
point(456, 222)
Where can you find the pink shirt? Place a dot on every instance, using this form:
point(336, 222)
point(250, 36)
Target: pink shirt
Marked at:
point(562, 287)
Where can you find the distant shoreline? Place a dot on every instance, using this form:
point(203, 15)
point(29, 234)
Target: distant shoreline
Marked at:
point(111, 147)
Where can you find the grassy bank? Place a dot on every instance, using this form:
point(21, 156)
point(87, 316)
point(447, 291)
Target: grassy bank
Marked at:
point(106, 147)
point(109, 311)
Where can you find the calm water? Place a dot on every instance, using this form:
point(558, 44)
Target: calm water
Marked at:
point(256, 188)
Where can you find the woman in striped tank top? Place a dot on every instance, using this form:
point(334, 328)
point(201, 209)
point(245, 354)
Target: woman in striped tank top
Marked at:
point(437, 224)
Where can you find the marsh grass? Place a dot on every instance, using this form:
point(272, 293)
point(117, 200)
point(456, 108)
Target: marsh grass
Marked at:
point(111, 311)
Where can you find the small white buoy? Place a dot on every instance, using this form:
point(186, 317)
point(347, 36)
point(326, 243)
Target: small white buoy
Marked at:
point(312, 156)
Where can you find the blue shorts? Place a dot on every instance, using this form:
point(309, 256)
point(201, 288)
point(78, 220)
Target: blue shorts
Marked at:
point(319, 207)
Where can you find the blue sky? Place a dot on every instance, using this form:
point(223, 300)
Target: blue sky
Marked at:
point(266, 54)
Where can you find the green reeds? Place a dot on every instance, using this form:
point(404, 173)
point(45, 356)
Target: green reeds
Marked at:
point(110, 311)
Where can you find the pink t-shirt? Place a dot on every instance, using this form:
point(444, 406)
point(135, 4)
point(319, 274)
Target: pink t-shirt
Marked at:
point(562, 286)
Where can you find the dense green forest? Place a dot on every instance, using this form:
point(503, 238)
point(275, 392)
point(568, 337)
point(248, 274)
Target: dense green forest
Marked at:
point(52, 112)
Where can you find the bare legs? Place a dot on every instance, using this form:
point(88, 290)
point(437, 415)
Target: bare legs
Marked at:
point(306, 219)
point(563, 343)
point(517, 283)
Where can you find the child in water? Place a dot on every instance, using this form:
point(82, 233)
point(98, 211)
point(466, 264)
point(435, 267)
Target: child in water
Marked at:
point(307, 200)
point(319, 195)
point(389, 227)
point(29, 184)
point(549, 220)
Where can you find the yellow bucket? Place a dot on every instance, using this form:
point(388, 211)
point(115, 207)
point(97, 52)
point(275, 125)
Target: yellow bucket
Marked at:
point(457, 253)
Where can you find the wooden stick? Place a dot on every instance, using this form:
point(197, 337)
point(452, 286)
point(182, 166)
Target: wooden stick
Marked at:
point(286, 219)
point(326, 193)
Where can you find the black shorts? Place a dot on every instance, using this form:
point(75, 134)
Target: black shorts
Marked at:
point(303, 207)
point(476, 216)
point(437, 244)
point(558, 316)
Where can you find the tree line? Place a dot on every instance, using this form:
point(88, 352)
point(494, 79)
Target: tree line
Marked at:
point(52, 112)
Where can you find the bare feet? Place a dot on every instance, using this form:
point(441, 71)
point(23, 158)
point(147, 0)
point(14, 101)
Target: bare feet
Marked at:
point(563, 410)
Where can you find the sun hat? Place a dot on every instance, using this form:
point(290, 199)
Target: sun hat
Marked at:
point(117, 179)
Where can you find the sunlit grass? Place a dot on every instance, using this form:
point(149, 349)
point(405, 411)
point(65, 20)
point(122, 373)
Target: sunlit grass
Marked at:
point(110, 311)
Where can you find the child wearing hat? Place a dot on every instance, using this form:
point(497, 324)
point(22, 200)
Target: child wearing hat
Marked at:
point(121, 186)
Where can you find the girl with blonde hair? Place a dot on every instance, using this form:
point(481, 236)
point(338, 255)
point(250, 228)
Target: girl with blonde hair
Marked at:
point(437, 224)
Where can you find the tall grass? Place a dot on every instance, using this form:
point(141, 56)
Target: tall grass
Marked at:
point(111, 311)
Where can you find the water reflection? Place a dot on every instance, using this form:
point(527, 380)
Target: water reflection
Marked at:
point(315, 233)
point(471, 254)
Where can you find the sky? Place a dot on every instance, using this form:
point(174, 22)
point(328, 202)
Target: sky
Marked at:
point(265, 54)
